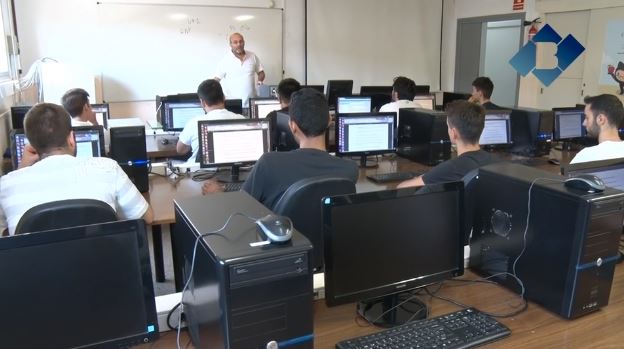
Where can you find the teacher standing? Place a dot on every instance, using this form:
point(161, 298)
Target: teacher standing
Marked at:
point(237, 70)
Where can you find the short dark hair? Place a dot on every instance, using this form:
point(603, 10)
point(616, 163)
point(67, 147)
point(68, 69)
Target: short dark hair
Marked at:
point(47, 126)
point(286, 88)
point(210, 91)
point(608, 105)
point(404, 87)
point(309, 110)
point(468, 118)
point(485, 85)
point(74, 101)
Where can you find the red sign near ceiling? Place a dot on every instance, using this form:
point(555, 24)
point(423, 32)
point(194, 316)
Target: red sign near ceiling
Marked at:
point(518, 5)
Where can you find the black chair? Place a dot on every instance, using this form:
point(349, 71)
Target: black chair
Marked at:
point(470, 184)
point(65, 214)
point(301, 202)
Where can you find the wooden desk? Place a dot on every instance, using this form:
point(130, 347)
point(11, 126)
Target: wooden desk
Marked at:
point(156, 149)
point(534, 328)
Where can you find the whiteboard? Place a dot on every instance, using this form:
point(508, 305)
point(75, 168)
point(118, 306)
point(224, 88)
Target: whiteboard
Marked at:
point(144, 50)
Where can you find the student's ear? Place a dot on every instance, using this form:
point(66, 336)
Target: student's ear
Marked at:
point(293, 126)
point(601, 119)
point(71, 141)
point(203, 104)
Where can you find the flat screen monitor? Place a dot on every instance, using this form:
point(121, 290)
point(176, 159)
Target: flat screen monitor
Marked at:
point(426, 101)
point(89, 141)
point(338, 88)
point(380, 245)
point(102, 113)
point(422, 90)
point(448, 97)
point(234, 105)
point(365, 134)
point(177, 98)
point(375, 90)
point(610, 171)
point(497, 128)
point(353, 104)
point(531, 131)
point(319, 88)
point(421, 126)
point(88, 286)
point(261, 107)
point(568, 123)
point(177, 114)
point(284, 139)
point(18, 141)
point(232, 143)
point(17, 116)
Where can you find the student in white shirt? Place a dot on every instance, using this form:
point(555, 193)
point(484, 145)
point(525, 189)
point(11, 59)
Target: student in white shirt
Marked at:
point(237, 69)
point(403, 93)
point(76, 102)
point(49, 171)
point(603, 114)
point(213, 101)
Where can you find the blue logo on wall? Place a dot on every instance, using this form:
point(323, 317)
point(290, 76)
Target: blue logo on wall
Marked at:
point(568, 50)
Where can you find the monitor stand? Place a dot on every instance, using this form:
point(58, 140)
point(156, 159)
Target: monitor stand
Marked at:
point(392, 310)
point(232, 175)
point(364, 163)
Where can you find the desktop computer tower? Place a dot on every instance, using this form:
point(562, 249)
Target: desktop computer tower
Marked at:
point(571, 244)
point(240, 295)
point(127, 147)
point(531, 130)
point(423, 136)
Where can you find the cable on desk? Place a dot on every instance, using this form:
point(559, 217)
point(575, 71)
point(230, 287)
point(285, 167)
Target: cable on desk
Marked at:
point(407, 300)
point(202, 175)
point(169, 317)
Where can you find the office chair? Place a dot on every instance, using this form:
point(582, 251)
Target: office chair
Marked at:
point(65, 214)
point(470, 185)
point(301, 202)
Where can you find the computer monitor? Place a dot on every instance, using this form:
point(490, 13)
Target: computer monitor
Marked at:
point(234, 105)
point(284, 141)
point(338, 88)
point(448, 97)
point(375, 90)
point(234, 143)
point(177, 114)
point(17, 116)
point(102, 113)
point(425, 101)
point(610, 171)
point(87, 286)
point(422, 90)
point(381, 246)
point(568, 123)
point(319, 88)
point(89, 141)
point(531, 131)
point(497, 128)
point(261, 107)
point(354, 104)
point(18, 141)
point(365, 134)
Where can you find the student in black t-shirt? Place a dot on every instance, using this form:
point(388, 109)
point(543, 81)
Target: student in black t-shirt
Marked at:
point(285, 89)
point(482, 88)
point(465, 121)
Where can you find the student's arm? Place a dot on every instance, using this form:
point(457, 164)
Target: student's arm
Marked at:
point(261, 77)
point(186, 137)
point(148, 216)
point(211, 186)
point(414, 182)
point(182, 148)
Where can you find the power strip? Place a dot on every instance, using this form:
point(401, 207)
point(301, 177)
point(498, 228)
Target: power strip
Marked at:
point(164, 304)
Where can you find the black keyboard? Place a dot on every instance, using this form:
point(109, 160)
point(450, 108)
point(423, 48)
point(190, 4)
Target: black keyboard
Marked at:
point(392, 176)
point(462, 329)
point(232, 186)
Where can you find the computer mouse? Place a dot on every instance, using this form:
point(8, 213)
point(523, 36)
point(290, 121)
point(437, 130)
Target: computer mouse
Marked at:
point(586, 182)
point(164, 141)
point(277, 228)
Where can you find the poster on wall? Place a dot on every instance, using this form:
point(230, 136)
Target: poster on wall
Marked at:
point(612, 68)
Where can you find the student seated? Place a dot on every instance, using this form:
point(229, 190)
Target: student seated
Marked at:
point(50, 171)
point(76, 102)
point(603, 114)
point(403, 93)
point(274, 172)
point(285, 89)
point(465, 122)
point(212, 101)
point(482, 88)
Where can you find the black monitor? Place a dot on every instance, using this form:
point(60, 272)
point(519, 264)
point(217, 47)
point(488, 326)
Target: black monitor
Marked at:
point(234, 143)
point(364, 134)
point(17, 116)
point(284, 141)
point(89, 141)
point(421, 126)
point(426, 101)
point(610, 171)
point(191, 97)
point(497, 128)
point(234, 105)
point(448, 97)
point(175, 115)
point(422, 90)
point(531, 131)
point(102, 114)
point(381, 246)
point(88, 286)
point(375, 90)
point(18, 141)
point(337, 88)
point(260, 107)
point(319, 88)
point(568, 124)
point(354, 104)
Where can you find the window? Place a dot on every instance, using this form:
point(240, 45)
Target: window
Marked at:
point(8, 54)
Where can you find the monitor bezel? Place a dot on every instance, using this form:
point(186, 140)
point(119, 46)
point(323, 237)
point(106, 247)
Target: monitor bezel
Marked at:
point(369, 98)
point(167, 122)
point(20, 108)
point(555, 135)
point(104, 119)
point(427, 97)
point(255, 101)
point(509, 135)
point(12, 137)
point(336, 88)
point(100, 130)
point(368, 152)
point(375, 90)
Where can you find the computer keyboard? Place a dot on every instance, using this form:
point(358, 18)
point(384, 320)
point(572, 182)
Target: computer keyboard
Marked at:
point(232, 186)
point(465, 328)
point(392, 176)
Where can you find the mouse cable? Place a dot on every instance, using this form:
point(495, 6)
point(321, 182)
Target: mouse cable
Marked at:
point(214, 232)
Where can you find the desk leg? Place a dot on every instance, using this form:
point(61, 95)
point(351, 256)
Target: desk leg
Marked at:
point(159, 263)
point(177, 264)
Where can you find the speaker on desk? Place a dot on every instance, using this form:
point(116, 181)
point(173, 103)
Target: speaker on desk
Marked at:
point(127, 147)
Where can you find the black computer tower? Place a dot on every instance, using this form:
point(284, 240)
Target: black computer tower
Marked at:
point(531, 130)
point(127, 147)
point(571, 241)
point(239, 295)
point(423, 136)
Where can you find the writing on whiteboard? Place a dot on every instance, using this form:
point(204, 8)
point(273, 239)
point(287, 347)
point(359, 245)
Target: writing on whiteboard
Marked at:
point(190, 23)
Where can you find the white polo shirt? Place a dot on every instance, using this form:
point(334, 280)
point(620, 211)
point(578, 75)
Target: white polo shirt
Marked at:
point(189, 135)
point(603, 151)
point(400, 104)
point(77, 122)
point(238, 78)
point(61, 177)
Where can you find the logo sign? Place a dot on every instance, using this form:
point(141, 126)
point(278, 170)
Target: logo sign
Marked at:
point(568, 49)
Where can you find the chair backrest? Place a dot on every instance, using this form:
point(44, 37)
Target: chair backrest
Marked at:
point(301, 202)
point(65, 214)
point(470, 183)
